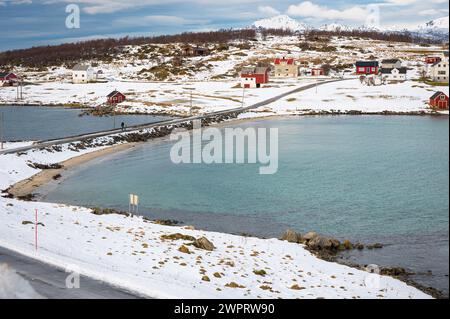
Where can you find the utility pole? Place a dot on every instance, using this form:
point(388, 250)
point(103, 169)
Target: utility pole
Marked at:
point(114, 115)
point(1, 130)
point(19, 90)
point(190, 110)
point(243, 96)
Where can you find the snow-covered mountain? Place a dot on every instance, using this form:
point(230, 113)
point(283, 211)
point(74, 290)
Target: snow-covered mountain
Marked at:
point(437, 25)
point(438, 28)
point(280, 22)
point(335, 27)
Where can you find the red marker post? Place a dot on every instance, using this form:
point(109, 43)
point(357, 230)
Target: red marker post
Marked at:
point(36, 231)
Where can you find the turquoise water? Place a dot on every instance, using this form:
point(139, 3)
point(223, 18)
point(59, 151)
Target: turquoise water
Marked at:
point(369, 178)
point(25, 123)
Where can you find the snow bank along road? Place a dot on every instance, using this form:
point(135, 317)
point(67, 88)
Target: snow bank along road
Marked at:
point(50, 282)
point(70, 139)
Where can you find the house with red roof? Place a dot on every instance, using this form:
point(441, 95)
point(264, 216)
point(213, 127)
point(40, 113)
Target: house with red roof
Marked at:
point(7, 79)
point(285, 68)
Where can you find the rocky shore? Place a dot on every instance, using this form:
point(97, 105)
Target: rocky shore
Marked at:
point(328, 248)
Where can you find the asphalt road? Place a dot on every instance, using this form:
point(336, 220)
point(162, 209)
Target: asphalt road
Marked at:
point(50, 282)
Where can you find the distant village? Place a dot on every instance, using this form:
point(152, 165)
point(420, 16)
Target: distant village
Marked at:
point(369, 72)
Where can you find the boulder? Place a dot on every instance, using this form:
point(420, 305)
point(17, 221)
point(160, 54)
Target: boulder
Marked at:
point(291, 236)
point(323, 243)
point(183, 249)
point(204, 243)
point(308, 236)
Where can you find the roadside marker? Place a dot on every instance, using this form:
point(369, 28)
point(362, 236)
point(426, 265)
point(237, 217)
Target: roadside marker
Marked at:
point(36, 231)
point(133, 207)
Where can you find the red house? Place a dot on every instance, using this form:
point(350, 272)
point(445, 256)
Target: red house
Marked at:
point(254, 77)
point(439, 101)
point(432, 59)
point(367, 67)
point(7, 78)
point(115, 97)
point(317, 72)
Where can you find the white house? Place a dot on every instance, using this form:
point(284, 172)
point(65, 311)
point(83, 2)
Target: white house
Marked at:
point(248, 82)
point(391, 64)
point(394, 74)
point(82, 74)
point(439, 72)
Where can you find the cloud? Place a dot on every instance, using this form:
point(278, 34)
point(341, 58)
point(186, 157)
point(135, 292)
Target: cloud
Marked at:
point(157, 20)
point(307, 9)
point(112, 6)
point(429, 12)
point(15, 2)
point(268, 10)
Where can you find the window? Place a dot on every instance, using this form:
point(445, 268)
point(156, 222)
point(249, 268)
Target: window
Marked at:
point(442, 97)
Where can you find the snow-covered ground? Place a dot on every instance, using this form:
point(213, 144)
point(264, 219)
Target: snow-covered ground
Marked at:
point(13, 286)
point(351, 95)
point(129, 252)
point(151, 97)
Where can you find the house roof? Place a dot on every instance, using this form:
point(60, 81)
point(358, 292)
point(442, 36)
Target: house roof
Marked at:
point(435, 95)
point(261, 70)
point(3, 74)
point(113, 93)
point(389, 70)
point(248, 70)
point(289, 61)
point(367, 63)
point(252, 70)
point(81, 67)
point(439, 62)
point(390, 61)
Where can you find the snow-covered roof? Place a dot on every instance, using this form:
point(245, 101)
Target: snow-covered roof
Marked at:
point(81, 67)
point(389, 70)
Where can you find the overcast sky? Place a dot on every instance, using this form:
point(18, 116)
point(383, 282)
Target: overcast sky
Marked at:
point(26, 23)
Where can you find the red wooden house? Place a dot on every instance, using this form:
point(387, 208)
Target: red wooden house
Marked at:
point(367, 67)
point(317, 72)
point(254, 77)
point(115, 97)
point(7, 78)
point(439, 101)
point(432, 59)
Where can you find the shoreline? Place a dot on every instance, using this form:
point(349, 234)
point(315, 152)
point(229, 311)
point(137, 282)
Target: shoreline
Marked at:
point(23, 190)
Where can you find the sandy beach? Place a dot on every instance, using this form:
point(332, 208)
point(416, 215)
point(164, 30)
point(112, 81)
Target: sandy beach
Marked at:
point(29, 185)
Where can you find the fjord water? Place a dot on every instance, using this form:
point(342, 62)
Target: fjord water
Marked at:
point(31, 123)
point(369, 178)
